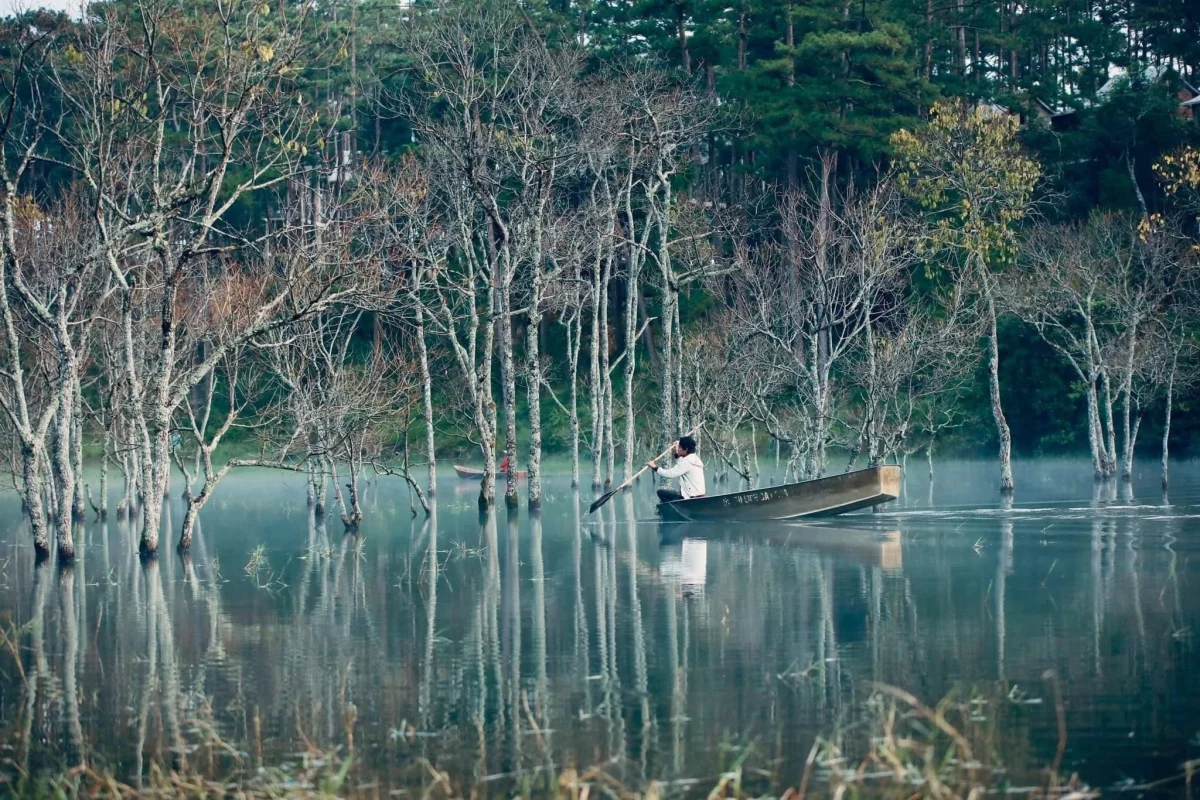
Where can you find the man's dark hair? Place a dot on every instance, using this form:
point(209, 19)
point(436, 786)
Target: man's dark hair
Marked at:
point(687, 444)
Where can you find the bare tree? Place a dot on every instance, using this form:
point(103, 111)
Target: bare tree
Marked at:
point(967, 171)
point(912, 358)
point(807, 300)
point(1143, 286)
point(406, 229)
point(1165, 368)
point(240, 389)
point(39, 303)
point(469, 64)
point(1062, 293)
point(164, 107)
point(1090, 291)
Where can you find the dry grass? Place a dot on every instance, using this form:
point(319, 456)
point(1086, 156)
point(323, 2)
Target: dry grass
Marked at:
point(972, 744)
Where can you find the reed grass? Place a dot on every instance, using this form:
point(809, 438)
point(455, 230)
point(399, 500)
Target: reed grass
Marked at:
point(974, 743)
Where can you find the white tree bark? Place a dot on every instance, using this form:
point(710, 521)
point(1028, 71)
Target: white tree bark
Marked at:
point(1003, 434)
point(1168, 402)
point(427, 400)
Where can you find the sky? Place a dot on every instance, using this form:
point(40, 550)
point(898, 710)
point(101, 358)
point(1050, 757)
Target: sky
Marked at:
point(8, 7)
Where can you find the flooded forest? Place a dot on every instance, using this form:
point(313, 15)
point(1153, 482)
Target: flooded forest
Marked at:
point(322, 326)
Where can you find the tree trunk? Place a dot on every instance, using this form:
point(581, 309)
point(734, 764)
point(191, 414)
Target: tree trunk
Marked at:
point(574, 345)
point(606, 397)
point(533, 388)
point(1095, 434)
point(667, 379)
point(78, 506)
point(427, 400)
point(63, 468)
point(32, 480)
point(596, 393)
point(927, 60)
point(106, 452)
point(630, 367)
point(155, 449)
point(189, 521)
point(508, 379)
point(1137, 190)
point(1166, 436)
point(1003, 434)
point(1110, 433)
point(1128, 436)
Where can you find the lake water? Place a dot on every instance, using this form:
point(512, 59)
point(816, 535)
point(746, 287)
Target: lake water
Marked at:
point(500, 651)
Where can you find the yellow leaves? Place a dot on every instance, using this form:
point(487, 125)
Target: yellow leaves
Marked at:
point(27, 210)
point(1148, 225)
point(262, 51)
point(967, 170)
point(1179, 171)
point(291, 146)
point(73, 55)
point(264, 9)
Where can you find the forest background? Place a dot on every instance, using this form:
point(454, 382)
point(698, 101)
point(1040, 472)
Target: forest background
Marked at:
point(996, 150)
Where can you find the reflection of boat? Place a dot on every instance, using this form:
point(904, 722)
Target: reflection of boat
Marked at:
point(689, 567)
point(836, 494)
point(472, 474)
point(881, 548)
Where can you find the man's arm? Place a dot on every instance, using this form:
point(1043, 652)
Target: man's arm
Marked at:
point(673, 472)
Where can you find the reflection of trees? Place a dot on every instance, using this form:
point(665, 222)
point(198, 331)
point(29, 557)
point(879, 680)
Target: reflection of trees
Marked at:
point(70, 689)
point(427, 644)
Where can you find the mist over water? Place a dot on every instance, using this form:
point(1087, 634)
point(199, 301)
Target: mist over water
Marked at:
point(507, 645)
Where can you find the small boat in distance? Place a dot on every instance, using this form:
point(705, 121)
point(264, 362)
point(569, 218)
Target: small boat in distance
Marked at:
point(472, 474)
point(823, 497)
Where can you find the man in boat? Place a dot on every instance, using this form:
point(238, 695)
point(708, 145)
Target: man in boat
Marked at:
point(688, 468)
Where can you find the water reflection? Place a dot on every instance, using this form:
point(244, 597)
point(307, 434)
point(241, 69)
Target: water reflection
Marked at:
point(499, 646)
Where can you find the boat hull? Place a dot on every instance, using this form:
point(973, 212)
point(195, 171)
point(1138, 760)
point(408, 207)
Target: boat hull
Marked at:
point(837, 494)
point(472, 474)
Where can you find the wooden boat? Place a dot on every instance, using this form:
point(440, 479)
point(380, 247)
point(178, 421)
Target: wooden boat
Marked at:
point(472, 474)
point(823, 497)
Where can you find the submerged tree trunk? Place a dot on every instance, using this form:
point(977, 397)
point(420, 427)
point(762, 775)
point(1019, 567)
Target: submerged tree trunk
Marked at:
point(606, 395)
point(427, 400)
point(102, 514)
point(596, 393)
point(533, 382)
point(667, 381)
point(1003, 434)
point(78, 506)
point(32, 487)
point(574, 345)
point(508, 380)
point(1128, 435)
point(630, 367)
point(1166, 436)
point(64, 469)
point(1110, 430)
point(1095, 433)
point(155, 447)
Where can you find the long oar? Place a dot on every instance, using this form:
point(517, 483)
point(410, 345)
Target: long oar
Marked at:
point(604, 498)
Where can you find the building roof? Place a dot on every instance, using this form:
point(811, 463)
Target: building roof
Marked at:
point(1151, 73)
